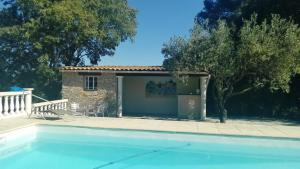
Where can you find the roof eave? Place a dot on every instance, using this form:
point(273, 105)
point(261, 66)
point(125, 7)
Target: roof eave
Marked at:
point(132, 71)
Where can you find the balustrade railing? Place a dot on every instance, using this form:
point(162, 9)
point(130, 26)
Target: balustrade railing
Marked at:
point(43, 107)
point(14, 104)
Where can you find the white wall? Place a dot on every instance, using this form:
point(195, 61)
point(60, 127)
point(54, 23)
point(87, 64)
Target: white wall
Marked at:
point(135, 101)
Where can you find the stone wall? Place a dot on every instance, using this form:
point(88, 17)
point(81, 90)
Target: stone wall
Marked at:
point(73, 89)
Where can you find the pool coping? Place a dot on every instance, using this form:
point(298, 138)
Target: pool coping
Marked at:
point(232, 128)
point(177, 132)
point(5, 132)
point(17, 128)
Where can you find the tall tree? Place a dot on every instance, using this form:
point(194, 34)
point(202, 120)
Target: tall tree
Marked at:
point(233, 11)
point(38, 36)
point(266, 54)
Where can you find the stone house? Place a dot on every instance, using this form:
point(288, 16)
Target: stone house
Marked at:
point(136, 90)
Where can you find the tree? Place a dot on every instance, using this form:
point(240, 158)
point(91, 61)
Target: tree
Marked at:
point(38, 36)
point(234, 11)
point(211, 52)
point(265, 55)
point(215, 10)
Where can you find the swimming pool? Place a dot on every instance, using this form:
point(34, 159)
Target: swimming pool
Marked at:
point(53, 147)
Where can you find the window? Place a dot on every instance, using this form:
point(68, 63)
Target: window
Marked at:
point(90, 83)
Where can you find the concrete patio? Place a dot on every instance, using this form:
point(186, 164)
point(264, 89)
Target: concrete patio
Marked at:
point(232, 127)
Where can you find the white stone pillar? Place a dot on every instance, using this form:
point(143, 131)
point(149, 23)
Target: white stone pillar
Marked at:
point(22, 105)
point(17, 104)
point(203, 89)
point(65, 106)
point(12, 105)
point(5, 110)
point(120, 96)
point(41, 109)
point(28, 100)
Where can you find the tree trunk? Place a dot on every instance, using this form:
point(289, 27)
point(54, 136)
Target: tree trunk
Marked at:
point(222, 110)
point(220, 99)
point(221, 106)
point(223, 115)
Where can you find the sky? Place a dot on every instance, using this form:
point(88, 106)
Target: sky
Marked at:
point(158, 21)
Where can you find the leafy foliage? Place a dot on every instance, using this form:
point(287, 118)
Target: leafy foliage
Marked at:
point(234, 11)
point(38, 36)
point(266, 54)
point(272, 49)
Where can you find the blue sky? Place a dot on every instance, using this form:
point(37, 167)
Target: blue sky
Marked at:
point(158, 21)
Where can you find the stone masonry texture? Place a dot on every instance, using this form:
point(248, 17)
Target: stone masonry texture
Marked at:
point(73, 89)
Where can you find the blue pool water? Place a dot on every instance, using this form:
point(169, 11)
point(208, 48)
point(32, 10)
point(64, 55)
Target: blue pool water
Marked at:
point(52, 147)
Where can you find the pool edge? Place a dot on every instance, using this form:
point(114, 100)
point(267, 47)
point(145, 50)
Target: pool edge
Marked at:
point(4, 132)
point(174, 132)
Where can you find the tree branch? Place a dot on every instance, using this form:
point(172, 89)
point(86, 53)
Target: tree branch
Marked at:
point(244, 91)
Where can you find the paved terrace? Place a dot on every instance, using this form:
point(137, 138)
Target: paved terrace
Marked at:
point(232, 127)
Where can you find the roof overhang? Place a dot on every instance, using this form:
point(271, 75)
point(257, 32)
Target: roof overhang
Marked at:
point(127, 70)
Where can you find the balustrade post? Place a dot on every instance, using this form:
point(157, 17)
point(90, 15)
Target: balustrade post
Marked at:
point(37, 110)
point(22, 103)
point(49, 108)
point(12, 105)
point(28, 100)
point(45, 108)
point(5, 105)
point(41, 110)
point(17, 105)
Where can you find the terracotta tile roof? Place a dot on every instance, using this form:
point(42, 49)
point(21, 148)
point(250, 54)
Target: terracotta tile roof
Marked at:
point(114, 68)
point(134, 69)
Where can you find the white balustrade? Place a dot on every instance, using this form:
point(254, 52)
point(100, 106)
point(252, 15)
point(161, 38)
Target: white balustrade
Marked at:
point(13, 104)
point(50, 105)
